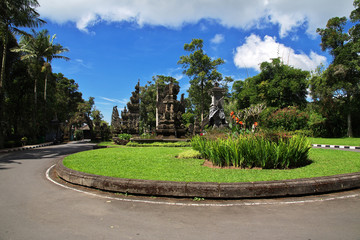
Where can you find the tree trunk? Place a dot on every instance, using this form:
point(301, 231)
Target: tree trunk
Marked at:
point(46, 77)
point(202, 101)
point(349, 123)
point(2, 79)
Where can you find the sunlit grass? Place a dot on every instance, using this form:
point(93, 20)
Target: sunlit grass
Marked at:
point(336, 141)
point(161, 164)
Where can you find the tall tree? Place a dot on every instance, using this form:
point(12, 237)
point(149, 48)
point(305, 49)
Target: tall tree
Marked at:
point(40, 50)
point(343, 74)
point(202, 71)
point(51, 52)
point(13, 15)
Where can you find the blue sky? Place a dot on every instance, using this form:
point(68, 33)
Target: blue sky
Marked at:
point(113, 43)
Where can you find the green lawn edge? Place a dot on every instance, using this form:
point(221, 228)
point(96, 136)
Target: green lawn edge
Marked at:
point(157, 163)
point(336, 141)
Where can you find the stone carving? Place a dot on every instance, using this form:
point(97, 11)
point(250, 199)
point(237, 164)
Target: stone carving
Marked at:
point(130, 116)
point(169, 111)
point(216, 113)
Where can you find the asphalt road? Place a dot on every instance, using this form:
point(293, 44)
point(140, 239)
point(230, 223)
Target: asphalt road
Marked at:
point(32, 207)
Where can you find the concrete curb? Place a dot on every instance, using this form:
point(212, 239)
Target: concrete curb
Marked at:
point(335, 146)
point(285, 188)
point(7, 150)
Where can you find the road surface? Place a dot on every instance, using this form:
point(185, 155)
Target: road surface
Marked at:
point(33, 207)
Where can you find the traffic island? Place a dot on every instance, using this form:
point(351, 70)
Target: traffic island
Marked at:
point(210, 190)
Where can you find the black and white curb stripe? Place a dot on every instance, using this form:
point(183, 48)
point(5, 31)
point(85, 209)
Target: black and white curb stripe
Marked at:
point(25, 147)
point(336, 146)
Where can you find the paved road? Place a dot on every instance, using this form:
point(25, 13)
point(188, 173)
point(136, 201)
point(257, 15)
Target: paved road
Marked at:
point(32, 207)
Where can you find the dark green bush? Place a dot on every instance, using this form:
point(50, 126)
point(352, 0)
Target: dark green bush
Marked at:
point(289, 119)
point(249, 151)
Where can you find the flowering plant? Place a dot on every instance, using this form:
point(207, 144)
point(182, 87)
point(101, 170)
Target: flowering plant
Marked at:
point(239, 126)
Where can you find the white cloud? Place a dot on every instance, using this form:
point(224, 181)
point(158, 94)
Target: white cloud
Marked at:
point(175, 13)
point(255, 51)
point(217, 39)
point(113, 100)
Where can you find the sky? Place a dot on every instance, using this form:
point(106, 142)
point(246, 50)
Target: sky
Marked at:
point(115, 43)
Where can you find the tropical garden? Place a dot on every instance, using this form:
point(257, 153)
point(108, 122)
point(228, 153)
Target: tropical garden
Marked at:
point(273, 116)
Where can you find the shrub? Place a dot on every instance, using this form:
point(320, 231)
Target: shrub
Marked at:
point(124, 136)
point(249, 151)
point(289, 119)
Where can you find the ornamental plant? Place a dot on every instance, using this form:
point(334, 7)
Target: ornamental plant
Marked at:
point(251, 150)
point(239, 126)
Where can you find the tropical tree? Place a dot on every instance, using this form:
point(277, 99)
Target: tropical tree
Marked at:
point(13, 16)
point(277, 85)
point(202, 71)
point(51, 52)
point(40, 50)
point(342, 77)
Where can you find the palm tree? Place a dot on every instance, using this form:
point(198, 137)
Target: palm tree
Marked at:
point(36, 49)
point(52, 51)
point(14, 14)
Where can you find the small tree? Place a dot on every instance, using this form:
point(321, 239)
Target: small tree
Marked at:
point(202, 71)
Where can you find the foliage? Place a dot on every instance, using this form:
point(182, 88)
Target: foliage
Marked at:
point(277, 85)
point(124, 136)
point(249, 151)
point(341, 81)
point(289, 119)
point(78, 135)
point(202, 71)
point(155, 163)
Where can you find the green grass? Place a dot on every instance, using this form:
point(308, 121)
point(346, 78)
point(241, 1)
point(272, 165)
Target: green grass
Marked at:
point(154, 163)
point(159, 144)
point(336, 141)
point(109, 144)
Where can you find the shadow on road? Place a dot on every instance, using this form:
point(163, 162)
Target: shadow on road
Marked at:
point(55, 151)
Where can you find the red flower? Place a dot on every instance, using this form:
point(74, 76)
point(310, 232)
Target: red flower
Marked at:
point(233, 117)
point(255, 124)
point(232, 113)
point(241, 123)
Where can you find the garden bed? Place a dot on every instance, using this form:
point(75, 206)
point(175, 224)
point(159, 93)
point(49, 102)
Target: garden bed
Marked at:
point(154, 163)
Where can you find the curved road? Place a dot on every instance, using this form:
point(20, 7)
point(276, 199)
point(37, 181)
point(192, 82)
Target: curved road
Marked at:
point(32, 207)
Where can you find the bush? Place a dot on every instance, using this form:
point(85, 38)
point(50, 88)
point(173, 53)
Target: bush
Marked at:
point(249, 151)
point(289, 119)
point(124, 136)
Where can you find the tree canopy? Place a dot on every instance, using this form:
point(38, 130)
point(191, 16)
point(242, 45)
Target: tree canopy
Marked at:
point(202, 71)
point(277, 85)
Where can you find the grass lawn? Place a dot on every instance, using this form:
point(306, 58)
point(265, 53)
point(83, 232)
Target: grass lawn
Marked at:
point(158, 163)
point(336, 141)
point(110, 144)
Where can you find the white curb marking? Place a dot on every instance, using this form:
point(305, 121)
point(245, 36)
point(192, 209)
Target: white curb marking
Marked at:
point(199, 204)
